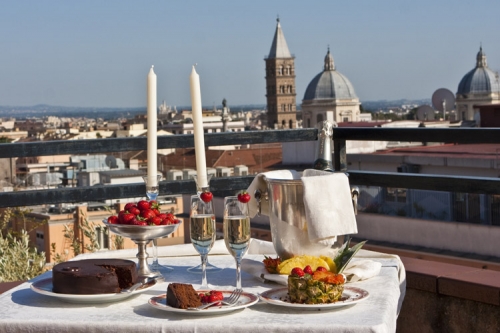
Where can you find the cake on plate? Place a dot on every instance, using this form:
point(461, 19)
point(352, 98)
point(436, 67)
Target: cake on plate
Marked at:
point(93, 276)
point(320, 287)
point(182, 296)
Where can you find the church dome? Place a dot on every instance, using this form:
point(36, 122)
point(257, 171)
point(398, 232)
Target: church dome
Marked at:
point(479, 80)
point(329, 84)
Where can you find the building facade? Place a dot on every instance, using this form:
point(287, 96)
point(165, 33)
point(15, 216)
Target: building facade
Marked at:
point(280, 84)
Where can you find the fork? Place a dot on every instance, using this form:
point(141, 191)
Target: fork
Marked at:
point(231, 301)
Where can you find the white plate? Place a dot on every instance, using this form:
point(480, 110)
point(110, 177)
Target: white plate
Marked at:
point(44, 287)
point(279, 296)
point(246, 300)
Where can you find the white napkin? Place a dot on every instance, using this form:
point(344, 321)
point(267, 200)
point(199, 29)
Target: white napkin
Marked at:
point(259, 183)
point(328, 205)
point(356, 270)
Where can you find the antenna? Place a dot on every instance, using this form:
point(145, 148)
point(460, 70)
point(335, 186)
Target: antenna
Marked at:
point(110, 162)
point(425, 112)
point(443, 100)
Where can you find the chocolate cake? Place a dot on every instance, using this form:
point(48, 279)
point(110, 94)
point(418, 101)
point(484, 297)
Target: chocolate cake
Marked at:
point(182, 296)
point(93, 276)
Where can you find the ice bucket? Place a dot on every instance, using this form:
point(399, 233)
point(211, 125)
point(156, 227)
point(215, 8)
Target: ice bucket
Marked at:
point(288, 220)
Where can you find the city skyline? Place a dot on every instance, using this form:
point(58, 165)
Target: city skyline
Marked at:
point(94, 54)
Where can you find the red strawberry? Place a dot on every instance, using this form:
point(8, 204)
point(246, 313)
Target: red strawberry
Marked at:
point(154, 204)
point(244, 196)
point(113, 219)
point(129, 205)
point(143, 205)
point(213, 296)
point(154, 221)
point(127, 218)
point(165, 222)
point(203, 298)
point(321, 269)
point(163, 216)
point(171, 217)
point(308, 270)
point(134, 210)
point(135, 221)
point(297, 271)
point(147, 214)
point(156, 211)
point(206, 196)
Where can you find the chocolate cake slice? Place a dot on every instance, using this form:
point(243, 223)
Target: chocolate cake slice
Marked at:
point(182, 296)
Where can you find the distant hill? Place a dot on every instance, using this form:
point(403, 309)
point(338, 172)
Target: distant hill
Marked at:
point(43, 110)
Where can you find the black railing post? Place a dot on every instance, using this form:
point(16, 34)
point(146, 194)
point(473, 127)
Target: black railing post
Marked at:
point(339, 155)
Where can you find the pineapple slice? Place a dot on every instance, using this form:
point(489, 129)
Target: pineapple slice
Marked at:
point(331, 264)
point(301, 261)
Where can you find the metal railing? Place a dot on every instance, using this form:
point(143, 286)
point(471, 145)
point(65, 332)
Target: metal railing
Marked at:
point(228, 185)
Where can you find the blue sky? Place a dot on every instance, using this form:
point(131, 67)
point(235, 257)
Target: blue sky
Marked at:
point(98, 53)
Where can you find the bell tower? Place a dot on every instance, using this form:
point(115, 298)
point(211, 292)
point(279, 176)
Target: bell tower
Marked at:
point(280, 84)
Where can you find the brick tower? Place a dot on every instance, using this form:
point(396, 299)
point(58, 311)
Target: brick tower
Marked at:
point(280, 84)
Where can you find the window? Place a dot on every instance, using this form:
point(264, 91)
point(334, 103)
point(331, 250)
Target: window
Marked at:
point(396, 195)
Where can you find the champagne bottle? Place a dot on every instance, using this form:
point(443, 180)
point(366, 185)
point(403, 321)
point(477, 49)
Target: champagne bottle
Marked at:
point(324, 147)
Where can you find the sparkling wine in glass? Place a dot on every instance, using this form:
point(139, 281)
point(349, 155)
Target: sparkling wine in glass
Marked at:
point(202, 231)
point(236, 226)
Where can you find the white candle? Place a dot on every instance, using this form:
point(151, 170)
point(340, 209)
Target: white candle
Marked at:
point(199, 139)
point(152, 138)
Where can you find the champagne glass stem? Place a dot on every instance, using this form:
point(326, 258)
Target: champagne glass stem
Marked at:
point(154, 246)
point(238, 273)
point(204, 282)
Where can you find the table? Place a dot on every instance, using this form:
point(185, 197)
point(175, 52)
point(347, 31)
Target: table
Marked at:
point(22, 310)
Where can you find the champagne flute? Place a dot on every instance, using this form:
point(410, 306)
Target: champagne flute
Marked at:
point(202, 231)
point(236, 231)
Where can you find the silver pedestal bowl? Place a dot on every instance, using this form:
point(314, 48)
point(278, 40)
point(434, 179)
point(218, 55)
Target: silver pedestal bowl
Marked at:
point(142, 235)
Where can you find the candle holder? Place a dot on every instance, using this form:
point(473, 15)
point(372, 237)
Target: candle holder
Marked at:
point(206, 196)
point(152, 191)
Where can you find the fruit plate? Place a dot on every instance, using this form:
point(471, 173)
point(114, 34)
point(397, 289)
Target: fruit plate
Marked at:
point(279, 297)
point(44, 287)
point(246, 300)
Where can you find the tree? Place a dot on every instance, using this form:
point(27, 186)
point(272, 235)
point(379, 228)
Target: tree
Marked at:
point(19, 260)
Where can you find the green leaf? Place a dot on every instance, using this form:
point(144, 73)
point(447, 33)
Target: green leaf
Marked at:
point(345, 254)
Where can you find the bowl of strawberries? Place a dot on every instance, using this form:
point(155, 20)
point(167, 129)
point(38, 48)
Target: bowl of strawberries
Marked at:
point(142, 220)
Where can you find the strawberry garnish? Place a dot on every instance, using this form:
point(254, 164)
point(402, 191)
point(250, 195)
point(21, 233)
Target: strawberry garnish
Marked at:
point(308, 270)
point(243, 197)
point(211, 296)
point(206, 196)
point(271, 264)
point(321, 269)
point(297, 271)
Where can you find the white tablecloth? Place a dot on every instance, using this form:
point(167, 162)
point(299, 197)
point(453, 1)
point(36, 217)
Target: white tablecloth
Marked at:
point(22, 310)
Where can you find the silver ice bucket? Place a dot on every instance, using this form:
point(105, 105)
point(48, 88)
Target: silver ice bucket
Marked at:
point(288, 220)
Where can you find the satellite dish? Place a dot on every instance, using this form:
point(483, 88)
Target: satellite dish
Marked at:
point(110, 162)
point(443, 100)
point(425, 112)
